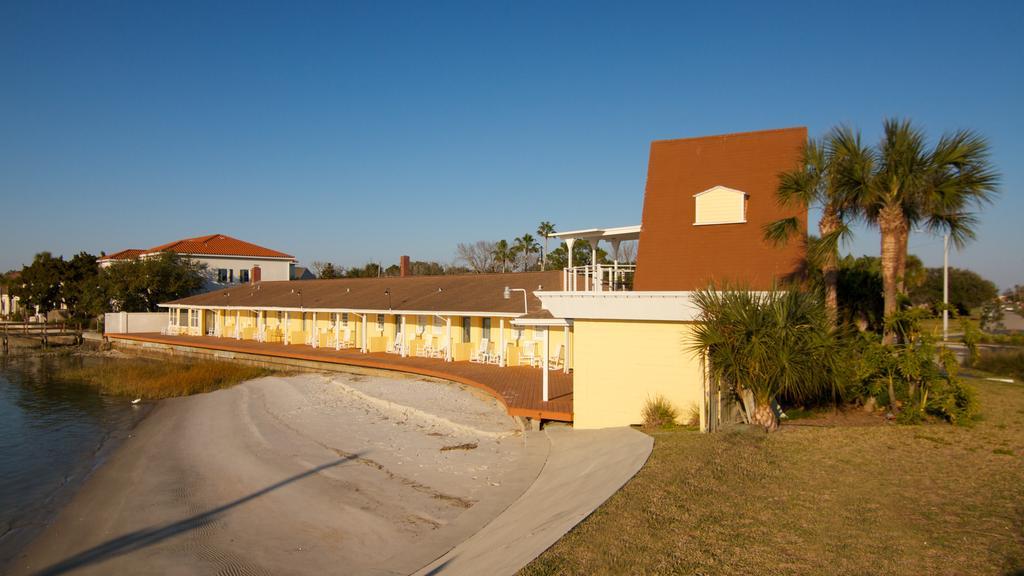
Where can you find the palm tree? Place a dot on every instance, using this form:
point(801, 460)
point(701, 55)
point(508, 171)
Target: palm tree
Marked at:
point(816, 183)
point(767, 346)
point(902, 184)
point(526, 246)
point(545, 229)
point(502, 253)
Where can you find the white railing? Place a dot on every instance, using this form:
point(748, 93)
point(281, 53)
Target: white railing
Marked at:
point(600, 278)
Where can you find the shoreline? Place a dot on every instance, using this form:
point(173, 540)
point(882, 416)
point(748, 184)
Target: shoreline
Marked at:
point(25, 528)
point(296, 474)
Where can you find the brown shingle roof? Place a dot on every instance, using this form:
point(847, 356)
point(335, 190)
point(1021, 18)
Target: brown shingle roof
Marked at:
point(459, 293)
point(218, 245)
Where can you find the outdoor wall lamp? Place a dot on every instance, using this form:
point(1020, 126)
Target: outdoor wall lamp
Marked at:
point(508, 296)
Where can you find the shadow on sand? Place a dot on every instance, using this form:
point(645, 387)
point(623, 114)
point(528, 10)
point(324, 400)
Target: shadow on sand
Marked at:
point(148, 536)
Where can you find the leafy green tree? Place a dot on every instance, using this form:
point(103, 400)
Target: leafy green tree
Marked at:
point(79, 288)
point(967, 290)
point(370, 270)
point(140, 285)
point(39, 285)
point(545, 230)
point(860, 293)
point(768, 346)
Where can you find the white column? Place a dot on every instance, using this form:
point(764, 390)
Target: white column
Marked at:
point(595, 275)
point(448, 353)
point(170, 318)
point(314, 338)
point(287, 337)
point(565, 349)
point(501, 342)
point(572, 275)
point(364, 348)
point(405, 337)
point(546, 352)
point(238, 322)
point(337, 321)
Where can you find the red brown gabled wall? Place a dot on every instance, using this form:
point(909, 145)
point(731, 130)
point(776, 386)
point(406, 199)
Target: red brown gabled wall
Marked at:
point(675, 254)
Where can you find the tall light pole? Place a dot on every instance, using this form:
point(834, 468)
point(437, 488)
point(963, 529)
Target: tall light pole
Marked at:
point(945, 288)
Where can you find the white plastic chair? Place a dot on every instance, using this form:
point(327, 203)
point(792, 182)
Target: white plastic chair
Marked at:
point(480, 354)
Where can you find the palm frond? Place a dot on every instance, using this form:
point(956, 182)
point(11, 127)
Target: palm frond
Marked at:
point(780, 231)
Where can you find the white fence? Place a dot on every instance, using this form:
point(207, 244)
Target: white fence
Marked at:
point(133, 322)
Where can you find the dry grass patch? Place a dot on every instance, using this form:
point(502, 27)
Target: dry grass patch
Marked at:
point(929, 499)
point(153, 379)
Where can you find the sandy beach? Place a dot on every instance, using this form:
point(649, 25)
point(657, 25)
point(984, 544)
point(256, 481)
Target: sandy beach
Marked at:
point(299, 475)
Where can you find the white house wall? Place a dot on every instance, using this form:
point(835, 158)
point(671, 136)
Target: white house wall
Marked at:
point(270, 270)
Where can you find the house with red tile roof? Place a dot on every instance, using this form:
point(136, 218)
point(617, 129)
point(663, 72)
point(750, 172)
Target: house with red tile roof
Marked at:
point(229, 261)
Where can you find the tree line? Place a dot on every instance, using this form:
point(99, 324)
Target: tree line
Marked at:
point(82, 290)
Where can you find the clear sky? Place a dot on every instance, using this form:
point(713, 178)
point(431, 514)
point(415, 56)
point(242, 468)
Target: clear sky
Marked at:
point(351, 132)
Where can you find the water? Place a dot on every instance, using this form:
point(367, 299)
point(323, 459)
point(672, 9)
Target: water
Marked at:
point(53, 434)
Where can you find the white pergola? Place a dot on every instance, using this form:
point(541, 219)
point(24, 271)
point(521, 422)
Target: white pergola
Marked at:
point(614, 236)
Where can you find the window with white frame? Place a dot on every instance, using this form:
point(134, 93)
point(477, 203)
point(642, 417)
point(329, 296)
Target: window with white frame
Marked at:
point(487, 328)
point(380, 322)
point(243, 276)
point(467, 326)
point(344, 319)
point(222, 275)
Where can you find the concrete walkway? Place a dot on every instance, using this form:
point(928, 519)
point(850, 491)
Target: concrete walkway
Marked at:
point(584, 468)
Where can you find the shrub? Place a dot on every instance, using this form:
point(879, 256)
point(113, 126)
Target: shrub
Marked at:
point(906, 377)
point(659, 413)
point(769, 346)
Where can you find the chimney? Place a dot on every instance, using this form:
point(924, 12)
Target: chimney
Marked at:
point(403, 266)
point(254, 277)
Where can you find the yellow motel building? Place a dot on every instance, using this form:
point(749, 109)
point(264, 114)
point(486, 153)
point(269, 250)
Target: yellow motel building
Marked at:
point(591, 343)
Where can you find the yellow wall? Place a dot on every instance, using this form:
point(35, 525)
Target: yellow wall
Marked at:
point(620, 364)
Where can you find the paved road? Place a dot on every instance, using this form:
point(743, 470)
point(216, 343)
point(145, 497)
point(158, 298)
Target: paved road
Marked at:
point(1013, 321)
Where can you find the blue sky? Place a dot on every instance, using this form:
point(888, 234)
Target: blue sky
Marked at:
point(356, 132)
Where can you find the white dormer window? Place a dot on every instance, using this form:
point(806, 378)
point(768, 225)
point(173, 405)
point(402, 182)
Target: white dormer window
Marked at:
point(720, 205)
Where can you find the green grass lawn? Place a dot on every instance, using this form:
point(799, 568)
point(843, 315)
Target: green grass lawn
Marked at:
point(818, 499)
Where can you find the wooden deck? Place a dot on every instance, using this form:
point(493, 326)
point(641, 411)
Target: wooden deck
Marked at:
point(517, 387)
